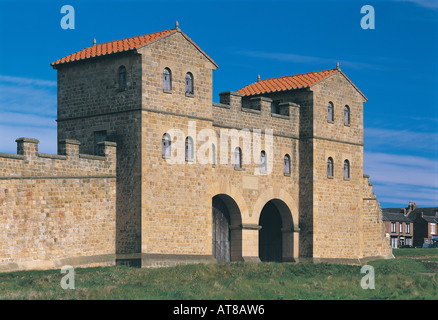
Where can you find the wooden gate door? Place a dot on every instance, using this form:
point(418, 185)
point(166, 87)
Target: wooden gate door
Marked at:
point(221, 232)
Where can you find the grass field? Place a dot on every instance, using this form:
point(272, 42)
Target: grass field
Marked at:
point(401, 278)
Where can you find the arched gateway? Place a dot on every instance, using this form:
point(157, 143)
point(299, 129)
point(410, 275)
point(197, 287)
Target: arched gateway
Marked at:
point(276, 233)
point(226, 229)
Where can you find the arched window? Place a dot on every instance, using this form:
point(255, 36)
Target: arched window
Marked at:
point(167, 79)
point(330, 112)
point(189, 149)
point(122, 77)
point(346, 115)
point(165, 145)
point(237, 158)
point(330, 167)
point(263, 163)
point(286, 169)
point(346, 169)
point(189, 83)
point(213, 154)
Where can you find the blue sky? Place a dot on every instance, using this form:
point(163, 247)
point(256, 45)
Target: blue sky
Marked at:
point(395, 66)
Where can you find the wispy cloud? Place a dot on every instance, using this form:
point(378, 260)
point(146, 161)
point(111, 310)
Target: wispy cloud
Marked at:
point(27, 99)
point(46, 136)
point(296, 58)
point(403, 178)
point(27, 81)
point(405, 139)
point(430, 4)
point(27, 109)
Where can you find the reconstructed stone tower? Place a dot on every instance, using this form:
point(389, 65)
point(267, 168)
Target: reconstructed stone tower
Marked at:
point(274, 172)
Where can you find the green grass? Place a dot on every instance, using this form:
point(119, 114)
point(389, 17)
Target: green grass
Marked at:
point(402, 278)
point(416, 252)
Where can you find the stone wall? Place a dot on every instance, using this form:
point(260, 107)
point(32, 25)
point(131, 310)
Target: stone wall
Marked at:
point(57, 209)
point(375, 243)
point(89, 101)
point(337, 202)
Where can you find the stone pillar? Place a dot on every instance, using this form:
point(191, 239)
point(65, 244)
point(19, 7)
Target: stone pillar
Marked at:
point(69, 148)
point(250, 242)
point(231, 98)
point(296, 236)
point(290, 109)
point(108, 149)
point(262, 104)
point(27, 147)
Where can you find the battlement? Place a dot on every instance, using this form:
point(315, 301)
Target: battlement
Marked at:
point(51, 203)
point(28, 162)
point(238, 112)
point(368, 193)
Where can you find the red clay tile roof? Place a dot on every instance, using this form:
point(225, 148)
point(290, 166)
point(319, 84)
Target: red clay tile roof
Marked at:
point(296, 81)
point(126, 44)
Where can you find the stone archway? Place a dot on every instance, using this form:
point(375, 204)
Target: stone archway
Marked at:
point(276, 238)
point(270, 240)
point(226, 229)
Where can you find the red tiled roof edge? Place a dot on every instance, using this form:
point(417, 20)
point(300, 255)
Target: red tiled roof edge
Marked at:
point(296, 81)
point(122, 45)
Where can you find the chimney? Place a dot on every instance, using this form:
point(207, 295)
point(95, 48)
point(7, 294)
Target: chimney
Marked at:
point(403, 210)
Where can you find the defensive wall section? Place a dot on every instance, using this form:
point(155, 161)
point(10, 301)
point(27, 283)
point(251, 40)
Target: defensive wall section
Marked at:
point(57, 210)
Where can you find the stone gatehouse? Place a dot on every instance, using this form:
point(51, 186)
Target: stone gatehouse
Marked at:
point(151, 172)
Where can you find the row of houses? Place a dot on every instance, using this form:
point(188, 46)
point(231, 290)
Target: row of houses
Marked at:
point(411, 226)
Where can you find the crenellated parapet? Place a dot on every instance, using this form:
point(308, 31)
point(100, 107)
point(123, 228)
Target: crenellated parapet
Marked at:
point(236, 111)
point(368, 193)
point(57, 209)
point(29, 162)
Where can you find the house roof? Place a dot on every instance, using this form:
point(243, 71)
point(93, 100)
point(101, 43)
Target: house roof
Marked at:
point(431, 211)
point(427, 212)
point(296, 81)
point(395, 216)
point(430, 219)
point(116, 46)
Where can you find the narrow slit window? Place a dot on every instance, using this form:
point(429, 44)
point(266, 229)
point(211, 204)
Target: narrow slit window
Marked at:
point(346, 169)
point(167, 79)
point(330, 112)
point(189, 83)
point(237, 157)
point(122, 78)
point(213, 154)
point(263, 163)
point(166, 151)
point(189, 148)
point(347, 115)
point(286, 169)
point(330, 167)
